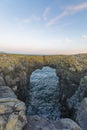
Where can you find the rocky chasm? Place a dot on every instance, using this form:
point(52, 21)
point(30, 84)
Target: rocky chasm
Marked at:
point(43, 93)
point(44, 101)
point(66, 101)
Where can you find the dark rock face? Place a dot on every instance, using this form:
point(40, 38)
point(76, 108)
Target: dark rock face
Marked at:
point(75, 100)
point(2, 82)
point(44, 92)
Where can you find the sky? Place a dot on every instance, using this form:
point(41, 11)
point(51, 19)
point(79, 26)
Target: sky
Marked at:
point(43, 26)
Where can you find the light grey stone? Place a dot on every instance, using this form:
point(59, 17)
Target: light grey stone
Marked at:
point(12, 110)
point(42, 123)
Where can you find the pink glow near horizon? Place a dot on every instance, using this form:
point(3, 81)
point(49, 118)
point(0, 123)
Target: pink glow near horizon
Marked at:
point(36, 27)
point(42, 51)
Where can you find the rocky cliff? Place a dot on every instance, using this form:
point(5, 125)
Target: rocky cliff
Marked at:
point(15, 72)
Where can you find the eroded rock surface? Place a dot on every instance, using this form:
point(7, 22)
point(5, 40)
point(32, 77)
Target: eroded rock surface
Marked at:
point(2, 82)
point(15, 72)
point(41, 123)
point(44, 92)
point(82, 114)
point(75, 101)
point(12, 110)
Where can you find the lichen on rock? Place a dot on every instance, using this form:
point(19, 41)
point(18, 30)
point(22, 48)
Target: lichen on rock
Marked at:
point(12, 110)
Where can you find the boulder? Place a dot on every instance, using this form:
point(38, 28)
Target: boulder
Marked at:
point(39, 123)
point(66, 124)
point(12, 110)
point(82, 114)
point(6, 92)
point(42, 123)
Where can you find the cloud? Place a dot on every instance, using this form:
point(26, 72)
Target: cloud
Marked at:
point(84, 36)
point(57, 18)
point(46, 13)
point(69, 10)
point(77, 8)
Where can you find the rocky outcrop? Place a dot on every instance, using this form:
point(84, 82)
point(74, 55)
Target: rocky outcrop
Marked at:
point(43, 93)
point(39, 123)
point(12, 110)
point(82, 114)
point(75, 100)
point(15, 71)
point(2, 82)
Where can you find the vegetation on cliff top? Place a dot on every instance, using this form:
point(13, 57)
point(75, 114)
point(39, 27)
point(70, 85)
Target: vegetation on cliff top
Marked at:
point(76, 62)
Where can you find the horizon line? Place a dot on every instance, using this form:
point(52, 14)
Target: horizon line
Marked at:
point(37, 54)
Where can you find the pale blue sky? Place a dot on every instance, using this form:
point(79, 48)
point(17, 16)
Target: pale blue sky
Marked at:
point(43, 26)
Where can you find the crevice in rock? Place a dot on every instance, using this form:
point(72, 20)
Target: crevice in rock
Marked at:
point(60, 102)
